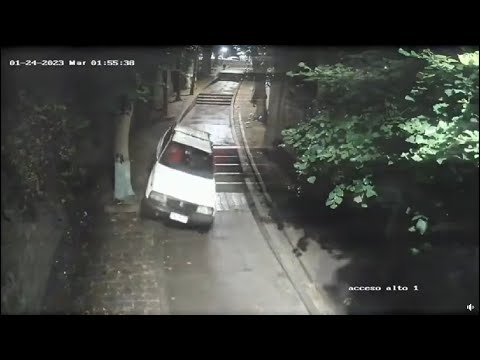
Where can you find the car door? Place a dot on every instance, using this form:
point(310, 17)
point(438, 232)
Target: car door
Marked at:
point(160, 147)
point(164, 141)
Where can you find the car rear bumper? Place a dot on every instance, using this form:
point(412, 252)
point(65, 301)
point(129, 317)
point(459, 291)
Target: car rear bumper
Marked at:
point(157, 210)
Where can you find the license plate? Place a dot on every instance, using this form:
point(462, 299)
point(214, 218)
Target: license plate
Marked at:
point(178, 217)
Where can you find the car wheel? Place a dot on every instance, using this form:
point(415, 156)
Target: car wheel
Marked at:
point(205, 228)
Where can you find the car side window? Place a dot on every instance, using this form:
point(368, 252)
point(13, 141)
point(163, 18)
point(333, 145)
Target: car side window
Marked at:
point(164, 141)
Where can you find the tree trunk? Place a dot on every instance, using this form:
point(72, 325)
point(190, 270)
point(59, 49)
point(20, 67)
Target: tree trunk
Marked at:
point(278, 101)
point(194, 75)
point(176, 77)
point(157, 96)
point(259, 96)
point(123, 184)
point(166, 94)
point(187, 78)
point(206, 67)
point(176, 84)
point(169, 82)
point(276, 115)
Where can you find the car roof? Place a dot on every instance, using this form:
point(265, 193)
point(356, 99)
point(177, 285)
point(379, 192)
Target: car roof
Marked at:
point(203, 135)
point(193, 137)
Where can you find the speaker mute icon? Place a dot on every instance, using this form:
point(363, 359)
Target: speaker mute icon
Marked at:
point(470, 307)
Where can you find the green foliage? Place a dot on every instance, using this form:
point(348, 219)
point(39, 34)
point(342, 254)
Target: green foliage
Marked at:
point(448, 131)
point(358, 90)
point(335, 197)
point(427, 122)
point(419, 223)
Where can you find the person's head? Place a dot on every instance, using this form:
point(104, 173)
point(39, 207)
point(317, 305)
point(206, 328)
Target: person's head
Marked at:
point(174, 147)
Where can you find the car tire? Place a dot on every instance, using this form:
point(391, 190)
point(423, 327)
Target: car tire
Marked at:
point(205, 228)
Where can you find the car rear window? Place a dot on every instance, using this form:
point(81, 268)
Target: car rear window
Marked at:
point(188, 159)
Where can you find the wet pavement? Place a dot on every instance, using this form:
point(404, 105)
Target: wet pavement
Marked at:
point(230, 270)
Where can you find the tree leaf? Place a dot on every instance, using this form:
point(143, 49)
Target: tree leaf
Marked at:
point(415, 251)
point(430, 130)
point(358, 199)
point(338, 200)
point(403, 52)
point(370, 193)
point(441, 160)
point(302, 166)
point(422, 226)
point(333, 206)
point(469, 58)
point(411, 139)
point(442, 124)
point(412, 229)
point(419, 139)
point(390, 162)
point(364, 206)
point(409, 98)
point(312, 179)
point(416, 157)
point(438, 107)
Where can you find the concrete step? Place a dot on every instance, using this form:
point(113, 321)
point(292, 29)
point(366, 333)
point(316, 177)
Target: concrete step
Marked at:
point(231, 187)
point(231, 201)
point(226, 159)
point(219, 150)
point(217, 103)
point(229, 177)
point(222, 101)
point(215, 95)
point(212, 98)
point(228, 168)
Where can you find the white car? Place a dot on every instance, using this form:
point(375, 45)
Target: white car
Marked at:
point(181, 185)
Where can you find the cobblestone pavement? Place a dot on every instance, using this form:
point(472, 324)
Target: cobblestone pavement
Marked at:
point(125, 275)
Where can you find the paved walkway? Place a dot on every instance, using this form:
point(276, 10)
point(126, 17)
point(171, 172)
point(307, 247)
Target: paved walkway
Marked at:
point(321, 265)
point(214, 119)
point(231, 270)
